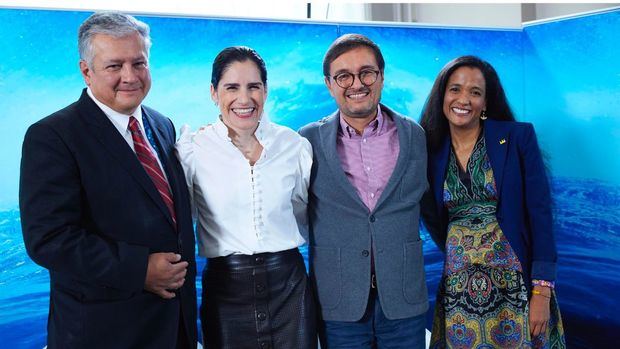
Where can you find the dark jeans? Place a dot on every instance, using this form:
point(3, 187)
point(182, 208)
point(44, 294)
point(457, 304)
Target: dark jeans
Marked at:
point(374, 331)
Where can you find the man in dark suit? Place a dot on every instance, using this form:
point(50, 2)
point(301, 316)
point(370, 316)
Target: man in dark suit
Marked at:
point(368, 175)
point(104, 204)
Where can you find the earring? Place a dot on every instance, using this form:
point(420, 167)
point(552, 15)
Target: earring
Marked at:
point(483, 115)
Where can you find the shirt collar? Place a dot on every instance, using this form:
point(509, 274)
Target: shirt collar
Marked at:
point(119, 120)
point(375, 127)
point(261, 133)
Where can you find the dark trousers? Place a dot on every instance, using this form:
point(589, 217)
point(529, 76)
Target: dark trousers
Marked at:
point(374, 331)
point(182, 340)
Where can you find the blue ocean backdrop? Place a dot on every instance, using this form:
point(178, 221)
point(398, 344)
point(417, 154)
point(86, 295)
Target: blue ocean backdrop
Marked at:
point(561, 75)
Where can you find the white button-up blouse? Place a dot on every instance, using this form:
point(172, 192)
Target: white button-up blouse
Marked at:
point(243, 209)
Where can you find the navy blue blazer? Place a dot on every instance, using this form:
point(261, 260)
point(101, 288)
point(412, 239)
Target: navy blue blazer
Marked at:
point(92, 215)
point(524, 200)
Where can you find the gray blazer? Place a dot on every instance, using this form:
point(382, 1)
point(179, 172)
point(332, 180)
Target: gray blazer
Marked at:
point(342, 228)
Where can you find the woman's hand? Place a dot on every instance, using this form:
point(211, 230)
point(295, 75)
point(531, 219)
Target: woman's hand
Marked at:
point(539, 310)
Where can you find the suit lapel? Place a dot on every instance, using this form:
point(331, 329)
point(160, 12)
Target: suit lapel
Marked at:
point(328, 132)
point(496, 139)
point(439, 165)
point(105, 133)
point(159, 134)
point(403, 155)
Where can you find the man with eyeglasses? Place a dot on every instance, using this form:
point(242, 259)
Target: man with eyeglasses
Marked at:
point(368, 176)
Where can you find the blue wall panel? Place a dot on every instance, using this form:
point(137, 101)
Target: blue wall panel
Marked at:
point(572, 93)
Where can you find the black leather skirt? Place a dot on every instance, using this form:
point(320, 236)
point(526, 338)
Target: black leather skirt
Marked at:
point(258, 301)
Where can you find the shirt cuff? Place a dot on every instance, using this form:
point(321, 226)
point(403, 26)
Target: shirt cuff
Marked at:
point(544, 283)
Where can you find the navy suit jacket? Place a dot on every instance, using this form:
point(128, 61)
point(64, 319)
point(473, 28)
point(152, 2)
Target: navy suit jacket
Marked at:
point(524, 200)
point(92, 215)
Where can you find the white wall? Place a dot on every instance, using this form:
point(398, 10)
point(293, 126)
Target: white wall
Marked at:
point(507, 15)
point(347, 12)
point(544, 11)
point(279, 9)
point(227, 8)
point(488, 15)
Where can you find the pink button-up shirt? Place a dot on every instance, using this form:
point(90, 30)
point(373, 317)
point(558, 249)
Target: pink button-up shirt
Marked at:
point(369, 159)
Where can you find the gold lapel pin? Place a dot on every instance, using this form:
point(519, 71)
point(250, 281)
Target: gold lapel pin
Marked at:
point(502, 141)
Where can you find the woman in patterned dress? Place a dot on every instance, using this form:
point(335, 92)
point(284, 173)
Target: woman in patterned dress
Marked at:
point(489, 210)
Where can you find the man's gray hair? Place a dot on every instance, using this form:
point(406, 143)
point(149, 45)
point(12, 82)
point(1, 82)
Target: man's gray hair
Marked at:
point(115, 24)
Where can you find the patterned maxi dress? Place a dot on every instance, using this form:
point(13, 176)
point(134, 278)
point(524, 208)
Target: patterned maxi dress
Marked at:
point(482, 300)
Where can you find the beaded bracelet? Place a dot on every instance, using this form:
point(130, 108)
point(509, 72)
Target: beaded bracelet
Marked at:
point(543, 283)
point(538, 293)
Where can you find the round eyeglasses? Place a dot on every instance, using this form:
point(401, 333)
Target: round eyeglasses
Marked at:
point(367, 77)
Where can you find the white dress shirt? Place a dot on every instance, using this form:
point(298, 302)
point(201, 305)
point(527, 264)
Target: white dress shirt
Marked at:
point(121, 122)
point(243, 209)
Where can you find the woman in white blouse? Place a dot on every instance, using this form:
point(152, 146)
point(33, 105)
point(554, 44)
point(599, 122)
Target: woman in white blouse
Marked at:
point(249, 179)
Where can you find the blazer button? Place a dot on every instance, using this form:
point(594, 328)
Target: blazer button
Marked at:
point(365, 253)
point(261, 316)
point(260, 260)
point(372, 218)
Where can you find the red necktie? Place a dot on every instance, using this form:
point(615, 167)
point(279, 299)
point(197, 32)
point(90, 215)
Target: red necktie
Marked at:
point(151, 166)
